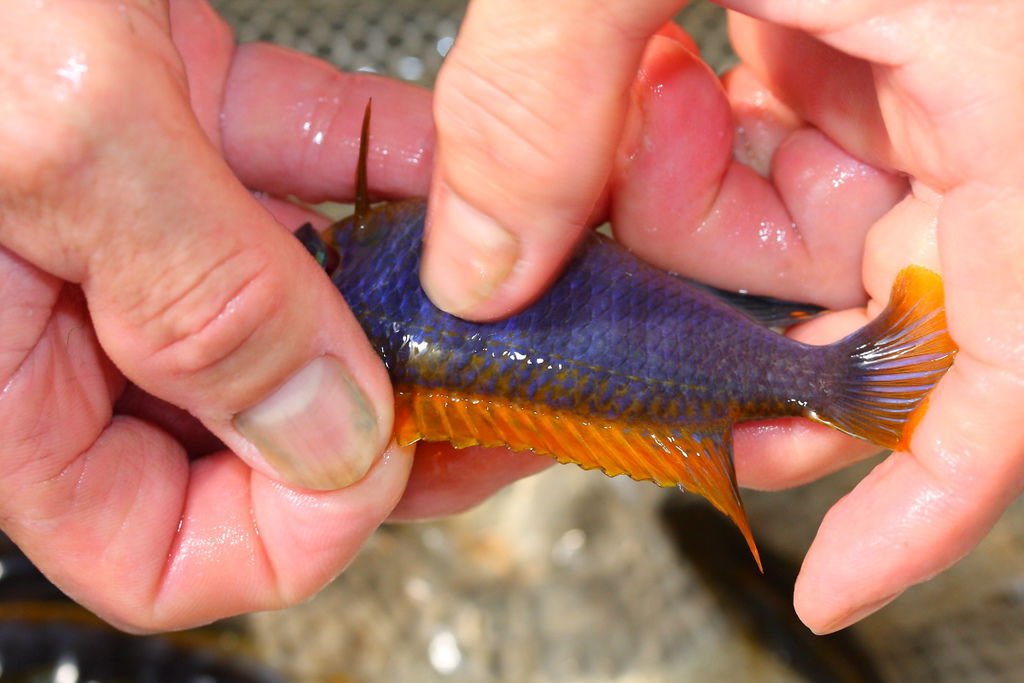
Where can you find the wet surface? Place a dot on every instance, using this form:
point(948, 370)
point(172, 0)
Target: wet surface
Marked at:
point(570, 576)
point(567, 576)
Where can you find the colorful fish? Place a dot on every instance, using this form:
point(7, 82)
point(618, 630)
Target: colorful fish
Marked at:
point(620, 366)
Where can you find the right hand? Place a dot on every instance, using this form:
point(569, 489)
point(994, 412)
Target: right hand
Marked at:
point(869, 135)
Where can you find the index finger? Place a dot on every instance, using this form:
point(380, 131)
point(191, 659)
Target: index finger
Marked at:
point(290, 126)
point(530, 107)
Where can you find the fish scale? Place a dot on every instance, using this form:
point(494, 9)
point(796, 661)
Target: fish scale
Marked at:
point(644, 342)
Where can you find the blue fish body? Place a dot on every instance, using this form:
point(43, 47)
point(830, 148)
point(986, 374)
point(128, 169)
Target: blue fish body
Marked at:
point(613, 337)
point(623, 367)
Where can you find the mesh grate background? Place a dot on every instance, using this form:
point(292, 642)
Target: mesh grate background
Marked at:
point(567, 576)
point(405, 39)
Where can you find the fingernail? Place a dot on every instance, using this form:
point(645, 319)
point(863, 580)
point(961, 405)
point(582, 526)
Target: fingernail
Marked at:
point(318, 429)
point(856, 615)
point(472, 255)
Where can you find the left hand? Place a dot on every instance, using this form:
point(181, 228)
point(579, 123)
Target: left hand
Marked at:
point(134, 264)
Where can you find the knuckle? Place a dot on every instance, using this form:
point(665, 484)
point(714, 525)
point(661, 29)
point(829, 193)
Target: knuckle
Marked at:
point(68, 91)
point(326, 121)
point(200, 325)
point(494, 118)
point(506, 140)
point(44, 143)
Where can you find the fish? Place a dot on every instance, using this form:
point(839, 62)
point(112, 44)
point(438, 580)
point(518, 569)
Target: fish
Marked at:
point(620, 366)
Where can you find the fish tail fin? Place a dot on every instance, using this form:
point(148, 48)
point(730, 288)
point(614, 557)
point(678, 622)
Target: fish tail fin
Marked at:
point(892, 363)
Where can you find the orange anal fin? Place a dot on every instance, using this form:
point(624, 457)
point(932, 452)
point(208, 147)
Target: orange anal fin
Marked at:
point(645, 452)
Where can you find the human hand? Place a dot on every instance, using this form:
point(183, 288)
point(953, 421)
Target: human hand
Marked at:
point(142, 284)
point(855, 138)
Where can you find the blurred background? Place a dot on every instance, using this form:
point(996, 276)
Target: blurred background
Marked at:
point(405, 39)
point(566, 577)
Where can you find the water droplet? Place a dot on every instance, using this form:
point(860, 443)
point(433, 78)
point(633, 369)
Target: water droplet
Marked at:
point(72, 74)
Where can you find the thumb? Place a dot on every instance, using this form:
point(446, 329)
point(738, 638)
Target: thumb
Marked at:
point(529, 108)
point(227, 316)
point(232, 320)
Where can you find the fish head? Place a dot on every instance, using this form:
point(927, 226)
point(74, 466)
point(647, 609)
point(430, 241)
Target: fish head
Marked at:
point(363, 242)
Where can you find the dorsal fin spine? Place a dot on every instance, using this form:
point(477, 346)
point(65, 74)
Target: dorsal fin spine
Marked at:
point(362, 201)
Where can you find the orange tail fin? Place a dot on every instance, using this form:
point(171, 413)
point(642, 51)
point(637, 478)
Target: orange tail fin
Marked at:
point(893, 363)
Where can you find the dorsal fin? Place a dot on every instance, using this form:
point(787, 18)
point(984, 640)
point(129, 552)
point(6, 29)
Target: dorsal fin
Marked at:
point(766, 310)
point(362, 201)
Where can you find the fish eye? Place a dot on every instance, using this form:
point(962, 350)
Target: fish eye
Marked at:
point(329, 259)
point(325, 254)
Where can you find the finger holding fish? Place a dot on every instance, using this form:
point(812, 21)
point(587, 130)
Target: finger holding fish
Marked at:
point(856, 185)
point(115, 198)
point(921, 511)
point(909, 519)
point(299, 137)
point(878, 93)
point(526, 143)
point(680, 111)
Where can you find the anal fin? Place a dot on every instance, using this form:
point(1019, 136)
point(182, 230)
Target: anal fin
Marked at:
point(696, 462)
